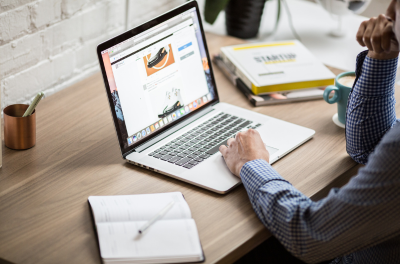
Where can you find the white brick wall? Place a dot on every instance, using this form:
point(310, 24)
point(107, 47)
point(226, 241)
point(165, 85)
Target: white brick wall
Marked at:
point(47, 45)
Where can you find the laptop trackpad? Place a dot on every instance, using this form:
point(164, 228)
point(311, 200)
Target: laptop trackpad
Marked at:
point(271, 150)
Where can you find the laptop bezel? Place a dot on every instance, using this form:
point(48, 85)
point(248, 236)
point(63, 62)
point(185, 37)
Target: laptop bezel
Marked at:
point(133, 32)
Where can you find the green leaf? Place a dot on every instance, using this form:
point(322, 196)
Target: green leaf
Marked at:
point(213, 8)
point(278, 16)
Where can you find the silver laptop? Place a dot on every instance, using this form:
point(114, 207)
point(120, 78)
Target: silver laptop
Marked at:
point(165, 105)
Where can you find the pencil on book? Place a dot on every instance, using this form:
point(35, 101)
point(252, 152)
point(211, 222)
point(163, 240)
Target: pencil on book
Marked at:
point(156, 217)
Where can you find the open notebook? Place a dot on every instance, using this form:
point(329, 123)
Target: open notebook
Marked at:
point(172, 239)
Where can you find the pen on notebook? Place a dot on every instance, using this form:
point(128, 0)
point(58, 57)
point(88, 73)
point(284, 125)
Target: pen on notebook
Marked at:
point(33, 105)
point(156, 217)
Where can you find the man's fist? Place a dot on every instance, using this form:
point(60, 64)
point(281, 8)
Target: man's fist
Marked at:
point(377, 34)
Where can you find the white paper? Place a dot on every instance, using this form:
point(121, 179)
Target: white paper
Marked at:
point(143, 207)
point(164, 240)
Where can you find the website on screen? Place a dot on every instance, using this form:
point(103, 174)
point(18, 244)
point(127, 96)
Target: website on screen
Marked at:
point(159, 78)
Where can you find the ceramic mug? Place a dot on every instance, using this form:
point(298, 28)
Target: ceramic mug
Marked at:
point(340, 96)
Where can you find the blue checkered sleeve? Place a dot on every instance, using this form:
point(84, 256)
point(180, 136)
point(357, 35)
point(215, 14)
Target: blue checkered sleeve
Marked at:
point(371, 106)
point(357, 218)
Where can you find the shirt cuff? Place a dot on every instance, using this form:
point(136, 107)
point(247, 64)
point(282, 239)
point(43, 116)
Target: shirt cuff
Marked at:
point(377, 77)
point(257, 173)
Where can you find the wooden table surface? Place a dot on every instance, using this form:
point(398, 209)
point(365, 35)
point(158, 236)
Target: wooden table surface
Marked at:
point(44, 214)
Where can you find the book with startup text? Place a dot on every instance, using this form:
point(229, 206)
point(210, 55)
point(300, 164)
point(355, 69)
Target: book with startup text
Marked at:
point(171, 239)
point(276, 66)
point(271, 98)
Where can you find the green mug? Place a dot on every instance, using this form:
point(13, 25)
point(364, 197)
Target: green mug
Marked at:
point(340, 96)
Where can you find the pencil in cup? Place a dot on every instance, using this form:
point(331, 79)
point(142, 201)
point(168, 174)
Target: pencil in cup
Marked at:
point(33, 105)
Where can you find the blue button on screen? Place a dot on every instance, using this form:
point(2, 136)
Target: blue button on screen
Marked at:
point(185, 46)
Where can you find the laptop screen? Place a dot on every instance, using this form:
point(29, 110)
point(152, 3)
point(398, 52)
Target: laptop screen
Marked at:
point(158, 77)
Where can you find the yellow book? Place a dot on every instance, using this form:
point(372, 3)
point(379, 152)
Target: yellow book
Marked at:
point(276, 66)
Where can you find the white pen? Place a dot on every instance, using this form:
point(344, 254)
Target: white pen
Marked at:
point(156, 217)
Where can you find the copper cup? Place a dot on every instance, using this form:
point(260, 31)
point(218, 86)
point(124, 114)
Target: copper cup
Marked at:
point(19, 132)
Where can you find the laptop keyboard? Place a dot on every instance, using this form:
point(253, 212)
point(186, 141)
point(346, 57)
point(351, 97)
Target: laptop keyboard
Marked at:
point(200, 143)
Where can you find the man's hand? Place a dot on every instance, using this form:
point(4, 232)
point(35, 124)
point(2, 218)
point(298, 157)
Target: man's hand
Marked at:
point(377, 34)
point(246, 146)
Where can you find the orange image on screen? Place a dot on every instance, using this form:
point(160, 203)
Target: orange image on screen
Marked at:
point(158, 60)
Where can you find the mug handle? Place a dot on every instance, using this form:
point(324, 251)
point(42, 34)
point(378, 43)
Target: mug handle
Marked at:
point(336, 96)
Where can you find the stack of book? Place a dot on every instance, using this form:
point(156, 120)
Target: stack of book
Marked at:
point(274, 72)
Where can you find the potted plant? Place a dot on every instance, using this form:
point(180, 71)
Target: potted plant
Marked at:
point(243, 17)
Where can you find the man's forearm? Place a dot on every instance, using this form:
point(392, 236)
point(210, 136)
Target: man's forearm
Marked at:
point(292, 217)
point(333, 226)
point(370, 111)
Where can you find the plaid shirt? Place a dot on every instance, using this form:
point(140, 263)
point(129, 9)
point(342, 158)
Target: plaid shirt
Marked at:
point(360, 222)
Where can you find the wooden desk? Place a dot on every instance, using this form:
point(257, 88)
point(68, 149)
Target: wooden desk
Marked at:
point(44, 214)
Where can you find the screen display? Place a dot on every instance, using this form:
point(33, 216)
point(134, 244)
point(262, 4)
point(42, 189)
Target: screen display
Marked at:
point(158, 77)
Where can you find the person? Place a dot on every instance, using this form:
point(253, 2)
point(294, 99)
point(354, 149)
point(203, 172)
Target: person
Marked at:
point(360, 222)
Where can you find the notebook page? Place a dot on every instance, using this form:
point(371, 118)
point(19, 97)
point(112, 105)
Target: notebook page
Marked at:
point(164, 240)
point(140, 207)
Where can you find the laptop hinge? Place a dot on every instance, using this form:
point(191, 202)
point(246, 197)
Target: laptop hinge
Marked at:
point(127, 153)
point(170, 131)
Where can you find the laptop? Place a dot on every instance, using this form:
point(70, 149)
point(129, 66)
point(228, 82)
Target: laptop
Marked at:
point(165, 105)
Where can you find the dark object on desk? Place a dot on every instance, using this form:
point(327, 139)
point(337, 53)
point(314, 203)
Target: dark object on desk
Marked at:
point(271, 252)
point(268, 99)
point(3, 261)
point(19, 132)
point(243, 17)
